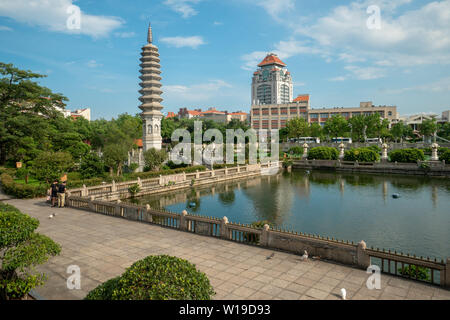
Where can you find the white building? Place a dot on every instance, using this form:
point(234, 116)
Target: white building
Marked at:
point(272, 82)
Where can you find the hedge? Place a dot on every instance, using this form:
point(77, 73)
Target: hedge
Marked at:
point(323, 153)
point(406, 155)
point(156, 278)
point(296, 150)
point(361, 155)
point(20, 190)
point(445, 156)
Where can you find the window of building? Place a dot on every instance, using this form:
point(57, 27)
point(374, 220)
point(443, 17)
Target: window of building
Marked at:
point(274, 111)
point(284, 94)
point(314, 115)
point(293, 110)
point(264, 94)
point(390, 113)
point(283, 111)
point(324, 115)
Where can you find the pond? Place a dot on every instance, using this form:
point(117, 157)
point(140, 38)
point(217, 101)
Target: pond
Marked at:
point(345, 206)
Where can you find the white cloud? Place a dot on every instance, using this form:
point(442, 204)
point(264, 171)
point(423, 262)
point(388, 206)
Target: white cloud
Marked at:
point(217, 23)
point(197, 92)
point(5, 28)
point(125, 34)
point(52, 15)
point(179, 42)
point(365, 73)
point(93, 64)
point(441, 85)
point(276, 7)
point(184, 7)
point(341, 78)
point(414, 37)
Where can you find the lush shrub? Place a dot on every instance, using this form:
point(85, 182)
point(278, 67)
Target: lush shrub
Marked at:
point(156, 278)
point(375, 148)
point(406, 155)
point(91, 166)
point(10, 171)
point(21, 191)
point(441, 150)
point(296, 150)
point(415, 272)
point(323, 153)
point(74, 176)
point(22, 249)
point(445, 156)
point(361, 155)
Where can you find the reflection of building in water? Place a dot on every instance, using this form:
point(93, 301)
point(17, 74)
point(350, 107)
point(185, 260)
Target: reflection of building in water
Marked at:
point(434, 196)
point(167, 200)
point(341, 185)
point(272, 207)
point(385, 190)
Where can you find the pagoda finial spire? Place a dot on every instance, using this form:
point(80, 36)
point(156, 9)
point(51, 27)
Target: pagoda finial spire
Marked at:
point(149, 35)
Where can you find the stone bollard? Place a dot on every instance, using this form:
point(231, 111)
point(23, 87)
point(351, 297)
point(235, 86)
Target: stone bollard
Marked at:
point(362, 258)
point(113, 186)
point(238, 169)
point(384, 155)
point(197, 174)
point(264, 240)
point(434, 152)
point(183, 221)
point(224, 228)
point(305, 151)
point(226, 171)
point(341, 151)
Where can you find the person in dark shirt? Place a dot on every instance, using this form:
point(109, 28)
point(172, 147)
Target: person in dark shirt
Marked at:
point(54, 192)
point(61, 194)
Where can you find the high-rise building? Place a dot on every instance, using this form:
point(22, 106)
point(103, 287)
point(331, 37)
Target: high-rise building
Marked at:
point(151, 95)
point(272, 82)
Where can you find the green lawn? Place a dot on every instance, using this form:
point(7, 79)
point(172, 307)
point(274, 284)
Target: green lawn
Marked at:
point(31, 181)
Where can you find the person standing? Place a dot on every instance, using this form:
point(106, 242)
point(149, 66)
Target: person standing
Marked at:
point(62, 194)
point(54, 192)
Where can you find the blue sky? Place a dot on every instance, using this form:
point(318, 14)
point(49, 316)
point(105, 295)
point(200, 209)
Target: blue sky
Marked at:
point(209, 50)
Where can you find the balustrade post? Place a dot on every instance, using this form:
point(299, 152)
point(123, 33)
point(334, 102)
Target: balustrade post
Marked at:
point(197, 174)
point(238, 169)
point(183, 226)
point(264, 240)
point(91, 203)
point(226, 171)
point(139, 182)
point(149, 214)
point(113, 186)
point(117, 208)
point(224, 228)
point(84, 191)
point(363, 259)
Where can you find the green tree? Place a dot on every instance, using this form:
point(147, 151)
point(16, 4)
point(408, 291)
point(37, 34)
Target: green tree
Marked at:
point(297, 127)
point(315, 130)
point(91, 166)
point(115, 155)
point(428, 128)
point(49, 166)
point(336, 126)
point(154, 158)
point(358, 127)
point(19, 96)
point(21, 249)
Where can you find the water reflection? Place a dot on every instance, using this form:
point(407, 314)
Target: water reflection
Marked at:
point(341, 205)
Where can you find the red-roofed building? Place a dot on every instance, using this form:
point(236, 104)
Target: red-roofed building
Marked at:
point(271, 83)
point(171, 115)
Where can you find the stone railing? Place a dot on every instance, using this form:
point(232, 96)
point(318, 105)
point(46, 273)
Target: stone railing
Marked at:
point(285, 146)
point(115, 191)
point(433, 168)
point(318, 247)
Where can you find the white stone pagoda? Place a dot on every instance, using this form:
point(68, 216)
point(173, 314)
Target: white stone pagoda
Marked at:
point(150, 95)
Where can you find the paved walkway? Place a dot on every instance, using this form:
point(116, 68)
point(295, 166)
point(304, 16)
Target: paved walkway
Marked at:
point(104, 246)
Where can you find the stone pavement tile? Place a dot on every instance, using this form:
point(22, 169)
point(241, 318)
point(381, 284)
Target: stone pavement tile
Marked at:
point(333, 296)
point(288, 295)
point(231, 296)
point(305, 281)
point(400, 283)
point(416, 295)
point(306, 297)
point(227, 287)
point(395, 291)
point(260, 296)
point(263, 278)
point(244, 292)
point(336, 275)
point(365, 292)
point(359, 296)
point(441, 294)
point(317, 294)
point(249, 274)
point(288, 277)
point(239, 280)
point(280, 283)
point(270, 289)
point(390, 297)
point(254, 284)
point(313, 276)
point(358, 280)
point(329, 281)
point(297, 288)
point(323, 287)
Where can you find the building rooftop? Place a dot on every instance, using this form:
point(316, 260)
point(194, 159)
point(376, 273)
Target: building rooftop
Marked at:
point(270, 59)
point(302, 97)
